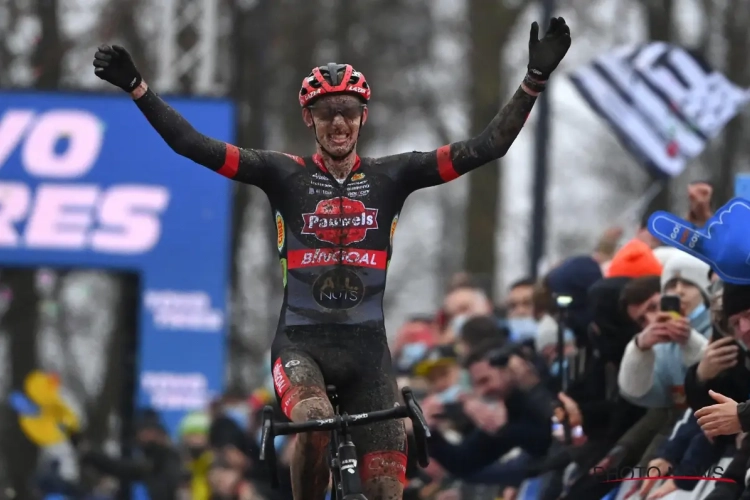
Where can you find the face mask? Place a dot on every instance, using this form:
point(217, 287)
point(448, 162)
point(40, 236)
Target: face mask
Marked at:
point(554, 370)
point(522, 328)
point(410, 354)
point(450, 395)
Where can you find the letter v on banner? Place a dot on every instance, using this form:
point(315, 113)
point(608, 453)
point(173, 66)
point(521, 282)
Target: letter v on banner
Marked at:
point(663, 102)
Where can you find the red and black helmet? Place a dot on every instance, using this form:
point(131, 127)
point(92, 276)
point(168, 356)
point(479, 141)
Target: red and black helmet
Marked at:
point(333, 79)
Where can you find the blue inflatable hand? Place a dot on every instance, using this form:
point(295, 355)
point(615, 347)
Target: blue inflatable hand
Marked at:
point(724, 243)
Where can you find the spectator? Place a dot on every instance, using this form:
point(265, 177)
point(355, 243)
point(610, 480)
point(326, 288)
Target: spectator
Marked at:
point(479, 330)
point(510, 408)
point(653, 369)
point(156, 464)
point(412, 341)
point(193, 432)
point(726, 416)
point(719, 369)
point(465, 300)
point(573, 278)
point(519, 303)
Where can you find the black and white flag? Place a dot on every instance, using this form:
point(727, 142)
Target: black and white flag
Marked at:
point(664, 104)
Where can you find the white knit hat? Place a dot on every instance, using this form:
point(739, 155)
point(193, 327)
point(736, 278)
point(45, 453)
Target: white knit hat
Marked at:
point(687, 268)
point(663, 254)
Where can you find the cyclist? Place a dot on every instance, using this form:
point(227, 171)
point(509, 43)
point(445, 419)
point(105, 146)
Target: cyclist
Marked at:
point(336, 213)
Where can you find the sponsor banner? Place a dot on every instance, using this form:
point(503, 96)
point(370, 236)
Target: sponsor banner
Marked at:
point(85, 182)
point(664, 103)
point(375, 259)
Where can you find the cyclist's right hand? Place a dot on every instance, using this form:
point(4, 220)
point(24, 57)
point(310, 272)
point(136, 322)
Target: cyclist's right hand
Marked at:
point(114, 65)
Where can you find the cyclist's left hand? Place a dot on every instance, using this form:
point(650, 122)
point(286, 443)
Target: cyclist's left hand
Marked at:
point(546, 54)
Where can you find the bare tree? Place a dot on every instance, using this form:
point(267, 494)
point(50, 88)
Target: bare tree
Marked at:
point(736, 16)
point(491, 24)
point(21, 321)
point(50, 49)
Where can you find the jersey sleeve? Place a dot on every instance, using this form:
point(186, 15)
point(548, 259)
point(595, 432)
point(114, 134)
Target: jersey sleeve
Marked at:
point(248, 166)
point(451, 161)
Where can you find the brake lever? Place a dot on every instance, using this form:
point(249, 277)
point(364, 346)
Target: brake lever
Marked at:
point(267, 446)
point(421, 429)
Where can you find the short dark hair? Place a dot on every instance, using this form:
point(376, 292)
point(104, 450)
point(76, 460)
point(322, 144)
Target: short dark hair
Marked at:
point(480, 352)
point(481, 329)
point(522, 282)
point(639, 290)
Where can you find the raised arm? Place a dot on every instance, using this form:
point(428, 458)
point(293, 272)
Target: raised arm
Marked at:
point(453, 160)
point(114, 64)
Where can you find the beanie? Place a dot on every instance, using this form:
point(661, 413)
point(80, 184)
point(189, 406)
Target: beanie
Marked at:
point(634, 260)
point(663, 254)
point(687, 268)
point(195, 423)
point(736, 299)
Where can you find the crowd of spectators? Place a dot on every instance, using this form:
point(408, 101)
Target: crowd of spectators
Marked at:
point(633, 357)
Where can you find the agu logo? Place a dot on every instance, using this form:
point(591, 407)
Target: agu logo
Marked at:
point(43, 416)
point(358, 177)
point(341, 221)
point(280, 232)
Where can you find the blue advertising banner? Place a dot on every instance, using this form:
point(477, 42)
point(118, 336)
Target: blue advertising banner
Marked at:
point(86, 182)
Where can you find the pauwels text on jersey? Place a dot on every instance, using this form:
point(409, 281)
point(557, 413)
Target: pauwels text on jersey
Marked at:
point(56, 206)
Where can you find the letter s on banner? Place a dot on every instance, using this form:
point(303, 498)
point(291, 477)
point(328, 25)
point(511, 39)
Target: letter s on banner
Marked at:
point(130, 219)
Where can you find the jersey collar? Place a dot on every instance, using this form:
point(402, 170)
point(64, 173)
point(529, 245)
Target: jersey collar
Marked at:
point(319, 162)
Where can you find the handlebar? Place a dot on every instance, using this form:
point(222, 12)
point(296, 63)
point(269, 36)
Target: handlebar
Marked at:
point(410, 410)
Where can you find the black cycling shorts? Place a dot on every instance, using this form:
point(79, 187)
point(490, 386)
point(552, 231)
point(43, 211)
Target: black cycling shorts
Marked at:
point(354, 359)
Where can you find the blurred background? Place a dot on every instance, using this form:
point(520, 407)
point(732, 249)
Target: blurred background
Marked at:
point(440, 70)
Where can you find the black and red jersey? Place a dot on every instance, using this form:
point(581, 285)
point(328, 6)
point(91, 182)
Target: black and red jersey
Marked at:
point(335, 238)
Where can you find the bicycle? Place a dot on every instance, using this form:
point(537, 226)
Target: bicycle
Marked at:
point(342, 455)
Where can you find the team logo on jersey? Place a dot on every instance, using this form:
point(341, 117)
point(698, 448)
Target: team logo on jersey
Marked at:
point(338, 289)
point(358, 177)
point(280, 232)
point(341, 221)
point(394, 223)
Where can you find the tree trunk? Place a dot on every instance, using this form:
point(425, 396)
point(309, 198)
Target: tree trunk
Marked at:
point(21, 322)
point(48, 54)
point(659, 14)
point(250, 37)
point(490, 24)
point(737, 39)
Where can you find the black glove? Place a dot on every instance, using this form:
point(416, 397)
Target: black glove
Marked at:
point(546, 54)
point(114, 65)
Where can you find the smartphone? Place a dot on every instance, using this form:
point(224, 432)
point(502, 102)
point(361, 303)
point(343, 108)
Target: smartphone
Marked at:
point(743, 354)
point(671, 304)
